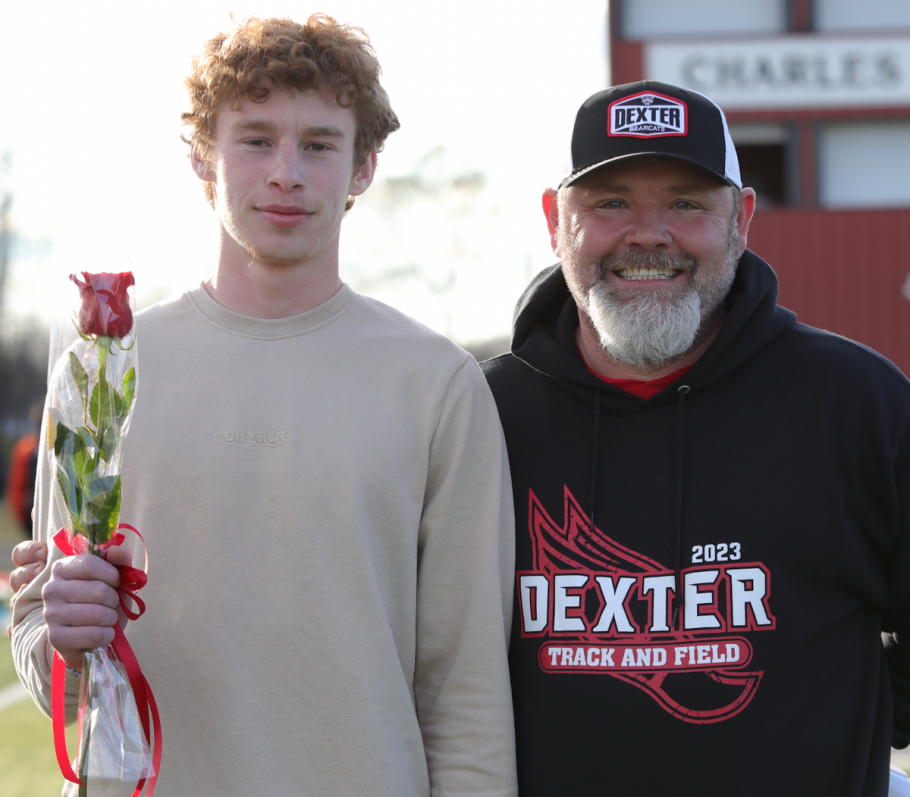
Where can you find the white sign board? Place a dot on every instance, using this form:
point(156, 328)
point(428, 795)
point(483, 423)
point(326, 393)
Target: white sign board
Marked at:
point(788, 72)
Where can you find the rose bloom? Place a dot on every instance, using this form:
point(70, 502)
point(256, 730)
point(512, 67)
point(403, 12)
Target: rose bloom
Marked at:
point(105, 310)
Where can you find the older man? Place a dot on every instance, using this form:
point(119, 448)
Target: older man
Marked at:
point(711, 499)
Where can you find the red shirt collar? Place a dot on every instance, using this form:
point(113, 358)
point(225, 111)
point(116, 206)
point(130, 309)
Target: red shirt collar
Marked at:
point(638, 387)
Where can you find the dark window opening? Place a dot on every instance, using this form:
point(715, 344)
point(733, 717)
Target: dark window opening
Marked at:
point(764, 168)
point(767, 162)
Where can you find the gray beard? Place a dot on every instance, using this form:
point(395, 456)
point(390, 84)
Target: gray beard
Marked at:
point(644, 330)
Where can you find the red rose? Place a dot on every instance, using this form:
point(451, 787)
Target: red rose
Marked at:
point(105, 307)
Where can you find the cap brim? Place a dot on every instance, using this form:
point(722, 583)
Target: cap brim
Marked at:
point(574, 178)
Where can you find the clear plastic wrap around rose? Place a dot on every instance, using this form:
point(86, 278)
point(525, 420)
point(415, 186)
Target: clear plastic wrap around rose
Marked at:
point(91, 392)
point(92, 385)
point(109, 720)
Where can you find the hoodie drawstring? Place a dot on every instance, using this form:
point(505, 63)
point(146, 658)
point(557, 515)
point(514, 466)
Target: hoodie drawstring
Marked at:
point(679, 599)
point(592, 500)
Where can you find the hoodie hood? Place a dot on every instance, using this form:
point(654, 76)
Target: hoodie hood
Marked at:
point(546, 318)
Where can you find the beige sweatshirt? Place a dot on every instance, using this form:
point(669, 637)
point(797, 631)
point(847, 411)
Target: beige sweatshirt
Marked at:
point(326, 503)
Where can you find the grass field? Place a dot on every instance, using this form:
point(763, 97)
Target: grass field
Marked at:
point(7, 672)
point(28, 766)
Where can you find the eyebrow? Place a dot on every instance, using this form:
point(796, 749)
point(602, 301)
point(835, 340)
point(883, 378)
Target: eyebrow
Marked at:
point(326, 130)
point(616, 188)
point(259, 125)
point(688, 188)
point(681, 188)
point(268, 126)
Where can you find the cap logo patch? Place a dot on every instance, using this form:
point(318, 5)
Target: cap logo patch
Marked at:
point(647, 115)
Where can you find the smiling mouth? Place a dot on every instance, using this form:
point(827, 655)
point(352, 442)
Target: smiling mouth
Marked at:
point(283, 211)
point(647, 273)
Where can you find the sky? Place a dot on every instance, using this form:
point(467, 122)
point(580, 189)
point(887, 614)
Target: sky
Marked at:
point(451, 230)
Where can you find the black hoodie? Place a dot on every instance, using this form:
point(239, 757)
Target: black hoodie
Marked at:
point(772, 481)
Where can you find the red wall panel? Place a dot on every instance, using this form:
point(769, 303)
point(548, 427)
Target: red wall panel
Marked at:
point(843, 271)
point(626, 62)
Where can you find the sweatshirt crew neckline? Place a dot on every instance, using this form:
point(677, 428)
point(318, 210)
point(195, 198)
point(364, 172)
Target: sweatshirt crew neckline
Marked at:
point(269, 328)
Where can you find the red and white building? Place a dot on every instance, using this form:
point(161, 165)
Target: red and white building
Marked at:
point(817, 94)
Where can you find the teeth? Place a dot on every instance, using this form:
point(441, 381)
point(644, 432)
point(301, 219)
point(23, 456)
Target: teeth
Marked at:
point(647, 273)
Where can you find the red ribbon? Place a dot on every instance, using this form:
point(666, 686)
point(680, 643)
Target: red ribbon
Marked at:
point(132, 579)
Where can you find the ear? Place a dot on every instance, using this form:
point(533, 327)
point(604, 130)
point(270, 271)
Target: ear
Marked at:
point(744, 218)
point(551, 211)
point(204, 170)
point(363, 177)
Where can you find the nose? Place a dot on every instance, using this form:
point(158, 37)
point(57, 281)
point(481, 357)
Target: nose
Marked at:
point(648, 228)
point(286, 169)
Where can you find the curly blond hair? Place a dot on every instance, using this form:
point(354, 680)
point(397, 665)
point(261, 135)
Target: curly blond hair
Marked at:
point(260, 55)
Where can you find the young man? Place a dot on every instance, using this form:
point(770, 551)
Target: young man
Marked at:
point(711, 499)
point(279, 411)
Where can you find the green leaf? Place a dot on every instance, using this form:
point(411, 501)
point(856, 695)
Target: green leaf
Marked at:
point(100, 411)
point(129, 389)
point(102, 508)
point(66, 490)
point(63, 433)
point(84, 466)
point(80, 377)
point(76, 463)
point(86, 437)
point(94, 404)
point(72, 497)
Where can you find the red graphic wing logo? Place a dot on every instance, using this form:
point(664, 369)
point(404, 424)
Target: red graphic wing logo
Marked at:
point(576, 547)
point(744, 685)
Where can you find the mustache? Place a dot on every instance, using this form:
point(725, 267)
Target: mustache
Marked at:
point(641, 259)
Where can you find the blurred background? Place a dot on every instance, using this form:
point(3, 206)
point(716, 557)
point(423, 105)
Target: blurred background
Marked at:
point(817, 93)
point(94, 176)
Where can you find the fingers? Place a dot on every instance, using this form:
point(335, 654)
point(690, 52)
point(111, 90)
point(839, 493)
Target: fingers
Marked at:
point(29, 558)
point(80, 605)
point(119, 556)
point(32, 551)
point(23, 576)
point(72, 641)
point(86, 567)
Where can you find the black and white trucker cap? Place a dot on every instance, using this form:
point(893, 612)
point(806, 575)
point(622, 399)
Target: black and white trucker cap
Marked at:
point(649, 119)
